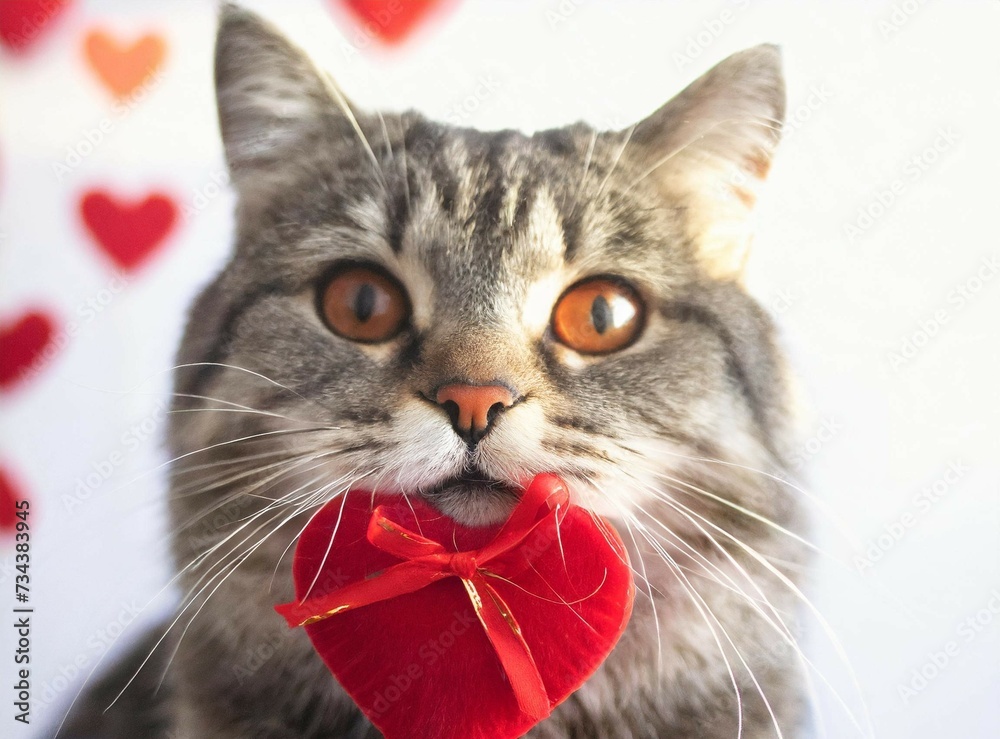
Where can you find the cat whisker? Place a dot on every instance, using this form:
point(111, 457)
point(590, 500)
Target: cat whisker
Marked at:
point(284, 467)
point(295, 538)
point(702, 135)
point(615, 161)
point(385, 136)
point(100, 660)
point(777, 623)
point(276, 503)
point(801, 597)
point(824, 508)
point(190, 469)
point(222, 568)
point(739, 654)
point(783, 630)
point(193, 365)
point(692, 489)
point(345, 108)
point(329, 547)
point(697, 601)
point(588, 158)
point(239, 559)
point(204, 483)
point(239, 406)
point(645, 579)
point(716, 575)
point(227, 442)
point(405, 166)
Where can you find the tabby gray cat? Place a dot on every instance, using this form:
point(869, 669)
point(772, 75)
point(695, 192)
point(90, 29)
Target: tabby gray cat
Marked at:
point(443, 312)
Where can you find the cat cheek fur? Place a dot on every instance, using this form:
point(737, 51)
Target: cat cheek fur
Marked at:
point(680, 438)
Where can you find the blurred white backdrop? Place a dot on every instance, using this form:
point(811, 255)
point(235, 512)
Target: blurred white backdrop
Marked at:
point(877, 251)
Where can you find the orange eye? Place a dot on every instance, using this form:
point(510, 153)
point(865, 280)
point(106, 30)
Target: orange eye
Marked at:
point(598, 316)
point(366, 305)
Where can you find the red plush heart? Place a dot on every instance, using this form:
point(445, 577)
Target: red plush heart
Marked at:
point(127, 232)
point(23, 21)
point(435, 634)
point(393, 20)
point(23, 344)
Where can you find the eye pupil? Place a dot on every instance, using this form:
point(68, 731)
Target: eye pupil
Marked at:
point(364, 302)
point(600, 314)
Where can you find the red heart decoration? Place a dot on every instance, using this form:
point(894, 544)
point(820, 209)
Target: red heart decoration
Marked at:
point(392, 20)
point(128, 232)
point(23, 345)
point(9, 495)
point(23, 21)
point(419, 658)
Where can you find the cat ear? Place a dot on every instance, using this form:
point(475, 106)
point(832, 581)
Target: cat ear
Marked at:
point(711, 147)
point(273, 103)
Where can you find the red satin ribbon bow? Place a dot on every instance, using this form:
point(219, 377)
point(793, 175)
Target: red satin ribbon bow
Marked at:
point(426, 561)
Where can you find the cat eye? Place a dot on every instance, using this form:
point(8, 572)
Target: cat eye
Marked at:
point(598, 316)
point(365, 304)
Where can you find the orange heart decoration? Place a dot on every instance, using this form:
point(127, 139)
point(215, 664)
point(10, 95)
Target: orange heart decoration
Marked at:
point(123, 67)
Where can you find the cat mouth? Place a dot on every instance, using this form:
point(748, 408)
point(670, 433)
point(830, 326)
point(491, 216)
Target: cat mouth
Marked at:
point(472, 484)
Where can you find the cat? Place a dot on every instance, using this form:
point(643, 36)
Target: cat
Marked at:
point(582, 290)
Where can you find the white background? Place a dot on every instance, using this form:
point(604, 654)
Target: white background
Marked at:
point(871, 86)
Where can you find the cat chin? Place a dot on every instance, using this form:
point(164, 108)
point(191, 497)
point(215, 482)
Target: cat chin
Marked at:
point(473, 504)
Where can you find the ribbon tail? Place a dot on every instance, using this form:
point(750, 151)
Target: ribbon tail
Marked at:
point(400, 579)
point(515, 656)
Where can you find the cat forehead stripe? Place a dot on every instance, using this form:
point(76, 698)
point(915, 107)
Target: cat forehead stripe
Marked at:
point(544, 230)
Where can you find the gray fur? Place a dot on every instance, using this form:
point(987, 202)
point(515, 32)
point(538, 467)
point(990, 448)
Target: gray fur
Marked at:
point(471, 224)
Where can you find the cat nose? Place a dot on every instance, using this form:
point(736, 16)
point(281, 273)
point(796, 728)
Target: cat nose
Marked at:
point(473, 408)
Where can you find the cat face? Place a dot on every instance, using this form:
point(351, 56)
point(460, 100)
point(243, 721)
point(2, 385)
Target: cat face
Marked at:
point(578, 288)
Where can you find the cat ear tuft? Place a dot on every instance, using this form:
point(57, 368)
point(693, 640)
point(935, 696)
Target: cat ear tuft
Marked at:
point(711, 147)
point(272, 101)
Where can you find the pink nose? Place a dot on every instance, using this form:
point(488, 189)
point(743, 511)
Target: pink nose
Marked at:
point(472, 408)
